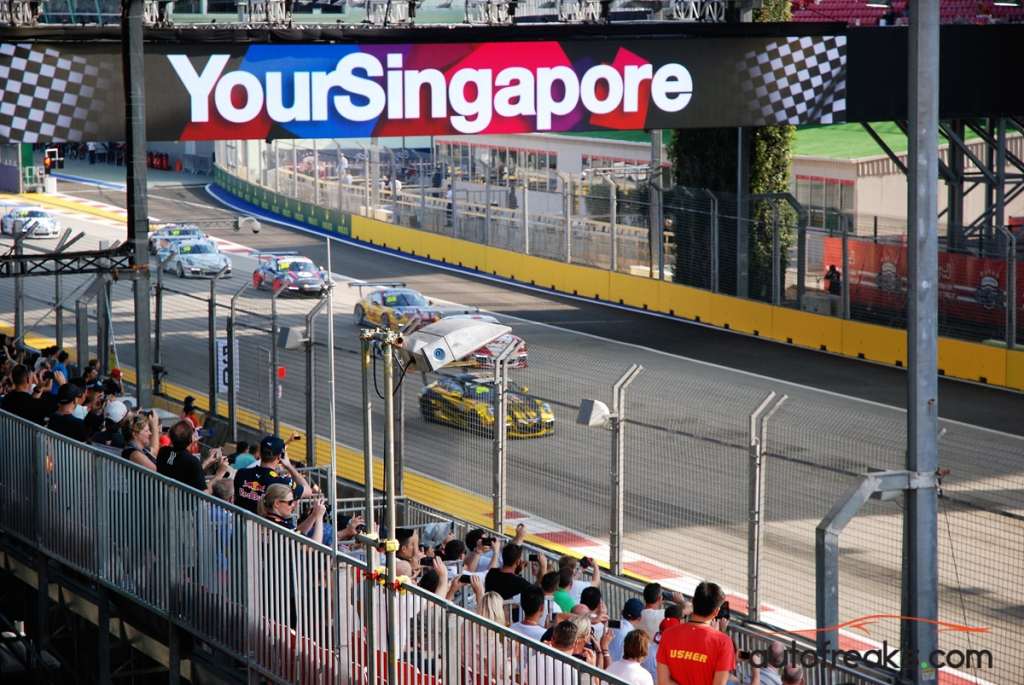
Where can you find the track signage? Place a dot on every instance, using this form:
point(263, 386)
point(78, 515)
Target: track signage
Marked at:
point(522, 81)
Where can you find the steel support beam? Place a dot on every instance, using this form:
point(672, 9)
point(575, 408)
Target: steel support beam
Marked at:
point(920, 541)
point(137, 241)
point(616, 531)
point(742, 227)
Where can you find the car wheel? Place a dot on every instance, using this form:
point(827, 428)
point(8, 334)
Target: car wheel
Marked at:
point(427, 411)
point(181, 271)
point(257, 282)
point(358, 315)
point(276, 285)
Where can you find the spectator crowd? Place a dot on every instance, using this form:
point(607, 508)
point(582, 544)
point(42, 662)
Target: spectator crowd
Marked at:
point(661, 639)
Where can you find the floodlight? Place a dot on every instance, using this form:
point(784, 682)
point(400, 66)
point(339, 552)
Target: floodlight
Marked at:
point(292, 338)
point(448, 340)
point(1009, 3)
point(593, 413)
point(880, 4)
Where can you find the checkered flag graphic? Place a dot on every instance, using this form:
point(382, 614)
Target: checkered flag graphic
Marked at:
point(797, 80)
point(46, 96)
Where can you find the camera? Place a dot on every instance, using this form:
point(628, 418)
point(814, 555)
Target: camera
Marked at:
point(614, 623)
point(534, 557)
point(724, 612)
point(487, 541)
point(427, 562)
point(464, 578)
point(585, 562)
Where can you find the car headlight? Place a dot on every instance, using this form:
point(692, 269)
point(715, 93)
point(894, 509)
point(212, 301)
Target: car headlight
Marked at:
point(546, 408)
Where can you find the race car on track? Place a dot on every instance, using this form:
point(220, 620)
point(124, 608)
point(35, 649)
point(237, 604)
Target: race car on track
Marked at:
point(467, 401)
point(392, 307)
point(195, 258)
point(485, 356)
point(36, 222)
point(165, 236)
point(292, 272)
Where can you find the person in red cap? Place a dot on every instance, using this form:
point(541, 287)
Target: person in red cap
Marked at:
point(698, 652)
point(189, 413)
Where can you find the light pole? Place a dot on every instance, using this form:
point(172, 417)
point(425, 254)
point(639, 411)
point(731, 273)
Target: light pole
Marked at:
point(595, 413)
point(276, 383)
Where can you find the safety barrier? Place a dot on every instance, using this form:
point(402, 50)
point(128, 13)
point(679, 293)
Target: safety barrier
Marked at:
point(282, 605)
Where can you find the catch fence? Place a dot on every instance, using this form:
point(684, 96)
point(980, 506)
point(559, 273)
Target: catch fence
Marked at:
point(766, 248)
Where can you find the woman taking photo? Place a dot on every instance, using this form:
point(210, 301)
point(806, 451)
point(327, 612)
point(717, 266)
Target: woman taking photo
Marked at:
point(278, 505)
point(143, 434)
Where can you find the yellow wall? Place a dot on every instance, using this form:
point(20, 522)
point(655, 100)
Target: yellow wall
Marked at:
point(957, 358)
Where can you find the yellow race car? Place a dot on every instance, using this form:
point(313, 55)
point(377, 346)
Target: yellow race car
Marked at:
point(466, 401)
point(394, 308)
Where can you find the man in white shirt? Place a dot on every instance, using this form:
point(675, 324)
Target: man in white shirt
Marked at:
point(542, 669)
point(654, 611)
point(630, 668)
point(531, 600)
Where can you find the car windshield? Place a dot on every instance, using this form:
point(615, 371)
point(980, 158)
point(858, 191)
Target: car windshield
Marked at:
point(37, 213)
point(478, 391)
point(296, 265)
point(197, 248)
point(404, 299)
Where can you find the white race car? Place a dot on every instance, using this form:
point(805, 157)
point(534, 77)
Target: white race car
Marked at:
point(36, 222)
point(165, 236)
point(484, 357)
point(195, 258)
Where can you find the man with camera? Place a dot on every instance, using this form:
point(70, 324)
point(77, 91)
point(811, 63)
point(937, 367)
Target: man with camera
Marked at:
point(698, 652)
point(506, 580)
point(654, 608)
point(28, 399)
point(274, 467)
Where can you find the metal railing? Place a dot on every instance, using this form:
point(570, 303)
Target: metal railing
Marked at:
point(271, 599)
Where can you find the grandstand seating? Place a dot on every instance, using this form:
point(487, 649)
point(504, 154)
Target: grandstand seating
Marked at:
point(858, 13)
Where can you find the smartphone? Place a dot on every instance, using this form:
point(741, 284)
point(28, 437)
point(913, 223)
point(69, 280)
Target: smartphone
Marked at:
point(585, 562)
point(614, 623)
point(534, 557)
point(743, 655)
point(464, 578)
point(361, 528)
point(427, 562)
point(724, 611)
point(668, 595)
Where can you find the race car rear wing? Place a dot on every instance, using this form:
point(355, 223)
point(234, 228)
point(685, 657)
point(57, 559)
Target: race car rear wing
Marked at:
point(375, 284)
point(267, 256)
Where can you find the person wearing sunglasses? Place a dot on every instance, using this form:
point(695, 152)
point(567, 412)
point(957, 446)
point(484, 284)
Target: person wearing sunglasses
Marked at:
point(278, 504)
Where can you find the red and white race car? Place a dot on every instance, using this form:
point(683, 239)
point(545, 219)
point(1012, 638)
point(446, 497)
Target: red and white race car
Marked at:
point(484, 357)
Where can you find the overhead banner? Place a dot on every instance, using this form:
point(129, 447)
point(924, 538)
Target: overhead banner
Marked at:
point(208, 92)
point(525, 79)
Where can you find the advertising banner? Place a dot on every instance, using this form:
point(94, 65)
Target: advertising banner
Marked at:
point(54, 92)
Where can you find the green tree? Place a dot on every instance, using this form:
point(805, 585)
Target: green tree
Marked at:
point(706, 158)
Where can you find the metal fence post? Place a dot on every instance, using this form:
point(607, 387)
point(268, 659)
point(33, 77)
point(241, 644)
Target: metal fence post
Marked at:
point(310, 366)
point(19, 291)
point(714, 239)
point(613, 219)
point(526, 216)
point(618, 470)
point(567, 190)
point(277, 166)
point(844, 279)
point(58, 312)
point(1011, 287)
point(295, 168)
point(776, 257)
point(211, 324)
point(755, 532)
point(232, 365)
point(102, 327)
point(81, 334)
point(500, 438)
point(316, 174)
point(487, 204)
